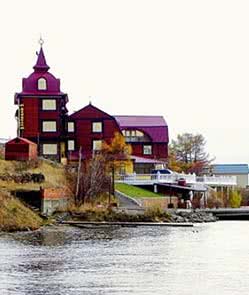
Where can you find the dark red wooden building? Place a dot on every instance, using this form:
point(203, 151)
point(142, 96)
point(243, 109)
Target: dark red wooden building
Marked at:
point(20, 149)
point(88, 128)
point(43, 119)
point(42, 110)
point(148, 135)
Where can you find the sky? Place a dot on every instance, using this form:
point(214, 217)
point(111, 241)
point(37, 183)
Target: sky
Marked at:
point(187, 60)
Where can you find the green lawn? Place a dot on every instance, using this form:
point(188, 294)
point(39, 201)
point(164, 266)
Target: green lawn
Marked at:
point(135, 192)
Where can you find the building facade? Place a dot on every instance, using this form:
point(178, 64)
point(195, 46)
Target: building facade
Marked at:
point(43, 119)
point(241, 172)
point(87, 129)
point(42, 110)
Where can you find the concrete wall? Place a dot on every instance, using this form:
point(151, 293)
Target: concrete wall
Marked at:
point(54, 199)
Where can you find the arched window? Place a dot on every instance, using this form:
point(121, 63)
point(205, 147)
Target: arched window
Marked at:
point(42, 84)
point(134, 135)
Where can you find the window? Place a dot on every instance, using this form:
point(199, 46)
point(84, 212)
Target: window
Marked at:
point(97, 127)
point(97, 145)
point(42, 84)
point(135, 136)
point(49, 104)
point(49, 149)
point(70, 126)
point(71, 145)
point(49, 126)
point(147, 150)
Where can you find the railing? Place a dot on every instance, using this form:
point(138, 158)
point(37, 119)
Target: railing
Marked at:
point(175, 177)
point(218, 180)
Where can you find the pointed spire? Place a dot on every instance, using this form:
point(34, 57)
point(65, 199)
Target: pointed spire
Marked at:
point(41, 64)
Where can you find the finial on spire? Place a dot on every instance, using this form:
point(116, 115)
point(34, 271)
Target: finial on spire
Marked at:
point(41, 64)
point(90, 102)
point(41, 41)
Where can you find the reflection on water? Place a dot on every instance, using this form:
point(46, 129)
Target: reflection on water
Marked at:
point(209, 259)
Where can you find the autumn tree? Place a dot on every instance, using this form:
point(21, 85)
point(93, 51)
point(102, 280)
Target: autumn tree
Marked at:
point(187, 153)
point(116, 152)
point(97, 174)
point(95, 180)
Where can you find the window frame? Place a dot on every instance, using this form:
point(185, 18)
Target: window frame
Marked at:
point(50, 131)
point(46, 84)
point(72, 122)
point(151, 149)
point(97, 122)
point(49, 110)
point(50, 154)
point(72, 140)
point(94, 140)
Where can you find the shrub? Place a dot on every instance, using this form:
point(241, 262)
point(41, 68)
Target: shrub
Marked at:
point(235, 199)
point(215, 200)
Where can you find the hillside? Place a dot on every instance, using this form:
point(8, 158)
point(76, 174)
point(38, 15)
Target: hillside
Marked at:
point(55, 174)
point(14, 216)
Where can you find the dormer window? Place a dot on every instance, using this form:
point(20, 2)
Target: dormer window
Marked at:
point(42, 84)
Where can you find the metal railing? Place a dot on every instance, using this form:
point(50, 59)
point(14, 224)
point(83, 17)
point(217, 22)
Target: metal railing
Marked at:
point(175, 177)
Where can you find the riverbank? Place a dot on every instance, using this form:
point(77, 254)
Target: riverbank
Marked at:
point(153, 215)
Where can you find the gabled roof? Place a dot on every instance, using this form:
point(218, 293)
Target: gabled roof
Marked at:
point(20, 140)
point(154, 126)
point(230, 169)
point(89, 111)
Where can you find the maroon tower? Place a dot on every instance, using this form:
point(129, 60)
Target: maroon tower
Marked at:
point(42, 110)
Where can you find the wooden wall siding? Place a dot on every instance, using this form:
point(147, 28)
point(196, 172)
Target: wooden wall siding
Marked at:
point(83, 128)
point(20, 151)
point(31, 119)
point(159, 150)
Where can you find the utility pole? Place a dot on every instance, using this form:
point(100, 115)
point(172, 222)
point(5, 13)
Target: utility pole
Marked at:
point(78, 176)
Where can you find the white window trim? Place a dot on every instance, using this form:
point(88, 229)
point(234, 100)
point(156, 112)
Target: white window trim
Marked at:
point(46, 128)
point(94, 145)
point(72, 124)
point(47, 108)
point(69, 147)
point(94, 124)
point(144, 147)
point(42, 84)
point(46, 149)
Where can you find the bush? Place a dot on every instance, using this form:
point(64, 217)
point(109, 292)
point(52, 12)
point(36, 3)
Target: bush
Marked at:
point(235, 199)
point(215, 200)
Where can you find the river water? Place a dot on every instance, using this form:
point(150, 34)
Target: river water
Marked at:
point(206, 259)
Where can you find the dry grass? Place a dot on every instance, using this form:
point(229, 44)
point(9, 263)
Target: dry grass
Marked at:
point(55, 175)
point(90, 212)
point(14, 216)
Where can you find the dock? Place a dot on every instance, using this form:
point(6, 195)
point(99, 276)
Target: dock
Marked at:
point(126, 224)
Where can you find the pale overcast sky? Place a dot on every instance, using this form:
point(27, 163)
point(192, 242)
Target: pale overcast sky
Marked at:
point(185, 60)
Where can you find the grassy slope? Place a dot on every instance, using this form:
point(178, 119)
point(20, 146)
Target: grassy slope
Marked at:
point(14, 216)
point(54, 174)
point(135, 192)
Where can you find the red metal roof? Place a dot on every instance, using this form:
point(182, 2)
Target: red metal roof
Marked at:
point(154, 126)
point(141, 121)
point(20, 139)
point(41, 64)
